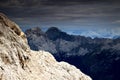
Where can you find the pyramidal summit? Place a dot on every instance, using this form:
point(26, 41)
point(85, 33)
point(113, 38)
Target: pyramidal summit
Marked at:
point(19, 62)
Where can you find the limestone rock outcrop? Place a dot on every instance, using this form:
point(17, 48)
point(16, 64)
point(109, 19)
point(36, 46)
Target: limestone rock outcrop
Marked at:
point(18, 62)
point(5, 21)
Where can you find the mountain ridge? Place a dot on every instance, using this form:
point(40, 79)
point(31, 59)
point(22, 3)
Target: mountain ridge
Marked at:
point(92, 56)
point(19, 62)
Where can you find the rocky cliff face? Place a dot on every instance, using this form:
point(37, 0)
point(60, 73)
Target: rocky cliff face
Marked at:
point(93, 56)
point(18, 62)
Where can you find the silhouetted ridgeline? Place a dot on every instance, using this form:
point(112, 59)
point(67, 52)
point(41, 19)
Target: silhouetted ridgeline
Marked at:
point(98, 57)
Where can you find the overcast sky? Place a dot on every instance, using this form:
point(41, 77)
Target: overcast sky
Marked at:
point(68, 15)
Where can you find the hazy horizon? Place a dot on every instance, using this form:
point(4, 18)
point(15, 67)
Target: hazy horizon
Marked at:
point(85, 17)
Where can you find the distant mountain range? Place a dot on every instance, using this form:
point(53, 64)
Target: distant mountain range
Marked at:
point(97, 33)
point(98, 57)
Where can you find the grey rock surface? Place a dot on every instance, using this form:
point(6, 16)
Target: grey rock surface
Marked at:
point(93, 56)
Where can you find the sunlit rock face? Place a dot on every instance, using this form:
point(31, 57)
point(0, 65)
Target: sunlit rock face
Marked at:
point(18, 62)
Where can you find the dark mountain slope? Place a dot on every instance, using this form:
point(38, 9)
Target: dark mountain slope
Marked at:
point(54, 33)
point(98, 57)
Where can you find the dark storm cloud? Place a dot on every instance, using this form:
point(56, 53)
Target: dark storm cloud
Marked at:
point(33, 3)
point(76, 12)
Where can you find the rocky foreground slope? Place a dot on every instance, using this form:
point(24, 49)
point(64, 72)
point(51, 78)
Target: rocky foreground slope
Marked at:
point(18, 62)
